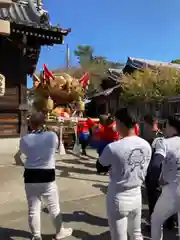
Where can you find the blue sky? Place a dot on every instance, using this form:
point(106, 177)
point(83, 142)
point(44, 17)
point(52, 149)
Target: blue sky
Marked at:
point(116, 29)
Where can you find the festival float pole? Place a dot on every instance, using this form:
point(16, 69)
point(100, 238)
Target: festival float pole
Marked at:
point(61, 144)
point(76, 148)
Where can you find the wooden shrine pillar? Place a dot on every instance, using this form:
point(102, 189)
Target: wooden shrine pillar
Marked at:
point(23, 108)
point(13, 68)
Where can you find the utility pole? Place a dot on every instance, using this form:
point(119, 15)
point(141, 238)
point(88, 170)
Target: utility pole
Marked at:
point(67, 56)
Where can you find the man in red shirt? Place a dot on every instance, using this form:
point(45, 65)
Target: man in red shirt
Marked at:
point(83, 135)
point(108, 135)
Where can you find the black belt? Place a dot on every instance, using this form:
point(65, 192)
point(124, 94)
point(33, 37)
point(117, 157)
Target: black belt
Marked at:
point(39, 175)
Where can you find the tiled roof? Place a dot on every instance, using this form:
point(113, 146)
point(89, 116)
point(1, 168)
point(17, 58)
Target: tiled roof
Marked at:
point(21, 13)
point(106, 92)
point(24, 13)
point(141, 63)
point(115, 74)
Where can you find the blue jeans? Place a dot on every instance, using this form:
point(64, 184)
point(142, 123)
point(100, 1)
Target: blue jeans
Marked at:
point(84, 141)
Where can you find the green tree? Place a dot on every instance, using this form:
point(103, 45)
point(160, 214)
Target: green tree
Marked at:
point(99, 60)
point(176, 61)
point(115, 65)
point(150, 85)
point(84, 53)
point(86, 57)
point(96, 65)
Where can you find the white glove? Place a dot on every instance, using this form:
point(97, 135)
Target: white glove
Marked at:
point(159, 146)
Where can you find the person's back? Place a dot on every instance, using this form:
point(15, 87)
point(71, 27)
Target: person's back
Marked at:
point(130, 159)
point(40, 150)
point(171, 164)
point(39, 146)
point(167, 151)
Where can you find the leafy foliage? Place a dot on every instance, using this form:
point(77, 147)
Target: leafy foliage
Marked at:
point(177, 61)
point(96, 66)
point(150, 85)
point(84, 53)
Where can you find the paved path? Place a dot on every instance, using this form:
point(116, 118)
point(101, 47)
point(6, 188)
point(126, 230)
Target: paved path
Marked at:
point(76, 178)
point(82, 201)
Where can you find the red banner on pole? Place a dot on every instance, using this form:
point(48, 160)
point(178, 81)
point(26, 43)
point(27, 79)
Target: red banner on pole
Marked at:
point(84, 81)
point(47, 74)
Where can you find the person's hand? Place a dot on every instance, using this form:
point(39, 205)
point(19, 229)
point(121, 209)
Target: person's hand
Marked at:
point(157, 143)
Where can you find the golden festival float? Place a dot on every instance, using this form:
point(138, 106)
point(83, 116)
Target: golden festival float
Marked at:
point(61, 98)
point(59, 95)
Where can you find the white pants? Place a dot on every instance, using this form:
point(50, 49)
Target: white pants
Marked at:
point(124, 214)
point(167, 205)
point(34, 193)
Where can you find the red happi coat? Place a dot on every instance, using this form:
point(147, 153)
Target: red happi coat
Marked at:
point(110, 133)
point(82, 127)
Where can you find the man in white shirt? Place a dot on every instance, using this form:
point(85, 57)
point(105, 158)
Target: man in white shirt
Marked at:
point(39, 176)
point(129, 159)
point(168, 152)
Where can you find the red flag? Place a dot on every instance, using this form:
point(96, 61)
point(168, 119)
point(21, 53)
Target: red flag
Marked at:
point(84, 80)
point(47, 74)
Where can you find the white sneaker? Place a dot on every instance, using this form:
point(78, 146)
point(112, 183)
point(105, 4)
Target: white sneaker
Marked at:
point(65, 232)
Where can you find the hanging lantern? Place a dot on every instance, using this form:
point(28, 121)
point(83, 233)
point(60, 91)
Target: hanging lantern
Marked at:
point(5, 28)
point(2, 85)
point(50, 104)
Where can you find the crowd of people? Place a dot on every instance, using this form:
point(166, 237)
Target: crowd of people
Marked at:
point(131, 157)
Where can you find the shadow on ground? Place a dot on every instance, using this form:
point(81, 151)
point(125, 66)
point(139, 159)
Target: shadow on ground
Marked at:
point(102, 188)
point(87, 156)
point(91, 157)
point(84, 235)
point(81, 161)
point(66, 171)
point(12, 234)
point(81, 216)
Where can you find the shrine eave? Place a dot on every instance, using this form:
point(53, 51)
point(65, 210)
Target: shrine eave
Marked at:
point(26, 19)
point(46, 35)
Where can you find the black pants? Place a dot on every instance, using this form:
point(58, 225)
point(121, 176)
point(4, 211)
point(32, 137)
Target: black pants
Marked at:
point(84, 143)
point(101, 169)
